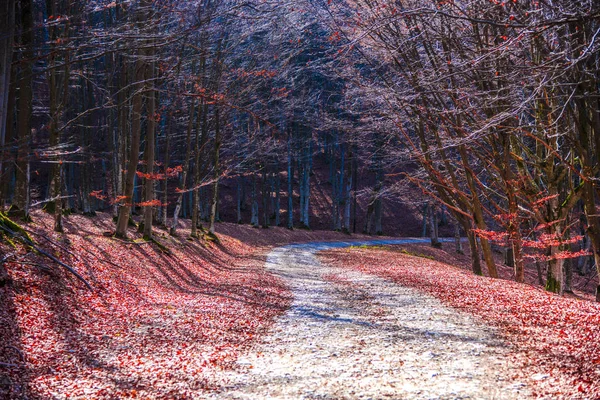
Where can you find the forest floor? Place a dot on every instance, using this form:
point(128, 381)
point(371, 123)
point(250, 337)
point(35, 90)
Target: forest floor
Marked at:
point(553, 338)
point(186, 322)
point(351, 335)
point(157, 324)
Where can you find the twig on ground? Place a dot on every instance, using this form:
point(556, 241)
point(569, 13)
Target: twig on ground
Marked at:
point(8, 365)
point(46, 254)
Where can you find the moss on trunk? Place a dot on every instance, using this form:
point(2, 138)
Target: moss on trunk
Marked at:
point(552, 285)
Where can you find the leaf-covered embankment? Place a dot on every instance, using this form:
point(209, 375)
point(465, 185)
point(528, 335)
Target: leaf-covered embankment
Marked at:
point(156, 325)
point(558, 336)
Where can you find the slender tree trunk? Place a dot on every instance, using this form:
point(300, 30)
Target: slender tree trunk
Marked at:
point(21, 198)
point(290, 182)
point(239, 199)
point(215, 199)
point(265, 198)
point(538, 266)
point(202, 127)
point(347, 202)
point(60, 173)
point(519, 263)
point(149, 153)
point(165, 194)
point(568, 267)
point(277, 197)
point(254, 218)
point(369, 217)
point(186, 167)
point(8, 168)
point(134, 153)
point(378, 216)
point(457, 239)
point(85, 137)
point(7, 30)
point(475, 260)
point(435, 241)
point(425, 220)
point(354, 191)
point(306, 187)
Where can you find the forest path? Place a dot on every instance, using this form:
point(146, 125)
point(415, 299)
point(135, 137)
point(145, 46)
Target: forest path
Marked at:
point(358, 336)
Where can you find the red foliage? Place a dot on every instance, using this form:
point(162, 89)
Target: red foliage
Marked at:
point(493, 236)
point(151, 203)
point(169, 173)
point(555, 336)
point(98, 194)
point(548, 240)
point(174, 172)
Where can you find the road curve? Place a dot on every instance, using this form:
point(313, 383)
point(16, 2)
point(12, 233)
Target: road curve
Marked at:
point(350, 335)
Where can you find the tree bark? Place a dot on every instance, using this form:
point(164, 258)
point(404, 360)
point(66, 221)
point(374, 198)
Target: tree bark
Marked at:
point(21, 197)
point(7, 29)
point(254, 218)
point(149, 153)
point(290, 183)
point(475, 259)
point(217, 173)
point(265, 198)
point(433, 230)
point(277, 197)
point(165, 194)
point(186, 167)
point(239, 199)
point(457, 239)
point(134, 152)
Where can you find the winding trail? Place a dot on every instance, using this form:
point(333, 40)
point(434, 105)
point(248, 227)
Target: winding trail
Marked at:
point(358, 336)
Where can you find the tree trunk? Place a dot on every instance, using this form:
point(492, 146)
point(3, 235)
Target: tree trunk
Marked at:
point(538, 266)
point(369, 217)
point(425, 220)
point(457, 239)
point(186, 167)
point(165, 194)
point(134, 152)
point(306, 176)
point(433, 230)
point(265, 198)
point(555, 279)
point(124, 128)
point(518, 262)
point(239, 199)
point(379, 216)
point(568, 271)
point(348, 203)
point(21, 197)
point(306, 192)
point(84, 170)
point(254, 218)
point(290, 182)
point(203, 127)
point(215, 199)
point(277, 197)
point(7, 28)
point(149, 153)
point(475, 260)
point(8, 168)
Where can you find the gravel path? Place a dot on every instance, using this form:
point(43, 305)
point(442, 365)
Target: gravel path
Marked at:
point(368, 338)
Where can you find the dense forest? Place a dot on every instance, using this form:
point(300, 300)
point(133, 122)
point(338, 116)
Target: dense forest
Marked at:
point(484, 112)
point(299, 199)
